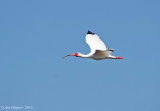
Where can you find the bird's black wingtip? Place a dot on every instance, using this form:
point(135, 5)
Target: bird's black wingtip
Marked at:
point(89, 32)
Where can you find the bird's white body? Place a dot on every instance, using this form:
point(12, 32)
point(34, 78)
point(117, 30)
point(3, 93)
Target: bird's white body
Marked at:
point(97, 55)
point(98, 49)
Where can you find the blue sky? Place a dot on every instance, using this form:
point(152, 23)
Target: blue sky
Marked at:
point(35, 34)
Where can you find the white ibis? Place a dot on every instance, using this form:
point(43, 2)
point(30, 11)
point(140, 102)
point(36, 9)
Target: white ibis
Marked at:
point(98, 49)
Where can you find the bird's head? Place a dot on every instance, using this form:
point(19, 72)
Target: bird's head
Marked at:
point(118, 58)
point(74, 54)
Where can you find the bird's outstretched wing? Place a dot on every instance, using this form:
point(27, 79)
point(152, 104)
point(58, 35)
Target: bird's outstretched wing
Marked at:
point(94, 42)
point(103, 52)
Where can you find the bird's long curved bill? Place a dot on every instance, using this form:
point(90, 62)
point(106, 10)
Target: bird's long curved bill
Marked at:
point(66, 56)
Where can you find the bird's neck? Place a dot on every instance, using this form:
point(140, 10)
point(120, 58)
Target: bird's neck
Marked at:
point(83, 55)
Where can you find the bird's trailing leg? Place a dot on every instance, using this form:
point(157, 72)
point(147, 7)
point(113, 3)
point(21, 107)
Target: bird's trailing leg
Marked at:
point(118, 58)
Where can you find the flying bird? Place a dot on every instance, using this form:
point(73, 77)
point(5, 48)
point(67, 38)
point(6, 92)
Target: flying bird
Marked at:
point(98, 49)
